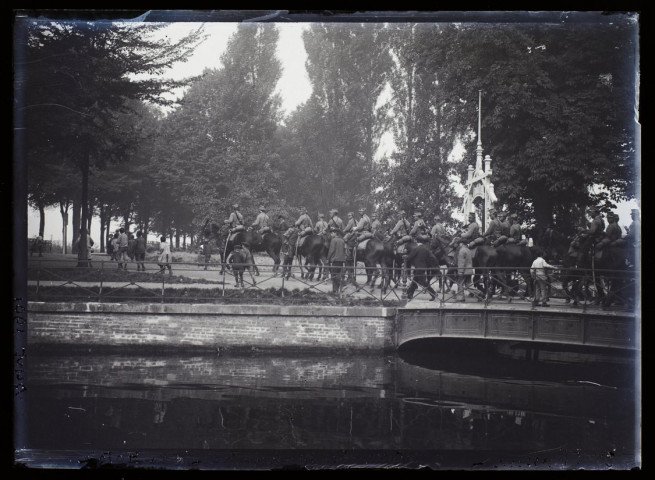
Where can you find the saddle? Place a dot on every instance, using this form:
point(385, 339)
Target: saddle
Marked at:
point(362, 244)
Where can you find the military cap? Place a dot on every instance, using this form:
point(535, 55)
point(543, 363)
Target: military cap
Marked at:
point(361, 210)
point(237, 246)
point(401, 212)
point(320, 215)
point(593, 209)
point(262, 208)
point(418, 214)
point(236, 205)
point(472, 214)
point(350, 214)
point(502, 214)
point(245, 244)
point(513, 215)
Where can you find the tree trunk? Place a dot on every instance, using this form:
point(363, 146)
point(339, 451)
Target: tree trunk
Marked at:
point(82, 252)
point(102, 228)
point(76, 225)
point(41, 221)
point(64, 223)
point(543, 210)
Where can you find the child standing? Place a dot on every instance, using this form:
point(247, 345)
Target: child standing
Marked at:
point(539, 274)
point(164, 256)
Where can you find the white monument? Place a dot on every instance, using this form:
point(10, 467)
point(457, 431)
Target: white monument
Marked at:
point(479, 196)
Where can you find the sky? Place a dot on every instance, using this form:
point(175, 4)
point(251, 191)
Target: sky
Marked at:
point(294, 87)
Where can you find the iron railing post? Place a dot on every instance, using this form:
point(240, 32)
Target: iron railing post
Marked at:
point(102, 267)
point(38, 278)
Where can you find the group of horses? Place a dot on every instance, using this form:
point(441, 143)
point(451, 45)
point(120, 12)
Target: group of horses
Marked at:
point(495, 268)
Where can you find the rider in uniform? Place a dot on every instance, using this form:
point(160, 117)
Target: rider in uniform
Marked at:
point(596, 228)
point(515, 233)
point(376, 226)
point(402, 227)
point(363, 225)
point(503, 229)
point(472, 231)
point(493, 230)
point(419, 230)
point(235, 219)
point(262, 222)
point(612, 232)
point(633, 232)
point(350, 225)
point(335, 221)
point(321, 227)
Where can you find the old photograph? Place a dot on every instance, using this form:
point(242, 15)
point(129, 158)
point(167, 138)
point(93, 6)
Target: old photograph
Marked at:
point(326, 240)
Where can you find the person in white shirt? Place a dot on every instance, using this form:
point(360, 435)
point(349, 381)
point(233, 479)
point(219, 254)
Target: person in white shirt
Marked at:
point(165, 258)
point(539, 273)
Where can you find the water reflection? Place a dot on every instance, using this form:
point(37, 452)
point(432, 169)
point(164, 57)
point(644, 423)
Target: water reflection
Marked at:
point(135, 403)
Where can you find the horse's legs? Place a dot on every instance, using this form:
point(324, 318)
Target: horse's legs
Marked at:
point(276, 260)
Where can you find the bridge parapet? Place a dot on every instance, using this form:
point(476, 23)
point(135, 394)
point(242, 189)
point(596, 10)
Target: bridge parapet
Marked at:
point(504, 322)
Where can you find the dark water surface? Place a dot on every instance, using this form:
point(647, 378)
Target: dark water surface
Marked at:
point(413, 409)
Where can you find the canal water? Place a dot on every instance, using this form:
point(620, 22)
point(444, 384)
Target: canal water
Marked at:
point(419, 408)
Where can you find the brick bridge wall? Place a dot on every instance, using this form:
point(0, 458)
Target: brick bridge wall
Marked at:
point(212, 327)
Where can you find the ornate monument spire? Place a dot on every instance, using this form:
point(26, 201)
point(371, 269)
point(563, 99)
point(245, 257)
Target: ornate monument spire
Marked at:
point(480, 196)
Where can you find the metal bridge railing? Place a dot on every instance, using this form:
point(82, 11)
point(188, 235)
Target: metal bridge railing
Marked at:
point(63, 280)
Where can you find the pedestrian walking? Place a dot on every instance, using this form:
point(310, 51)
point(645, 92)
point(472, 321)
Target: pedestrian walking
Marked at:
point(165, 257)
point(123, 243)
point(37, 246)
point(140, 251)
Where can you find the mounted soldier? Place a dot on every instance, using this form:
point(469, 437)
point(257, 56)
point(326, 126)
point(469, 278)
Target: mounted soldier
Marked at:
point(633, 232)
point(262, 222)
point(321, 227)
point(235, 220)
point(376, 227)
point(363, 227)
point(492, 232)
point(471, 232)
point(304, 225)
point(613, 233)
point(401, 229)
point(335, 221)
point(419, 230)
point(590, 236)
point(515, 233)
point(503, 229)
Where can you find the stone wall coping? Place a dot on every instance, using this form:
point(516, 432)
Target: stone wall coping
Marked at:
point(211, 308)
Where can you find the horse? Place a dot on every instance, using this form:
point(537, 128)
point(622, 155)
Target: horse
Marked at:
point(577, 254)
point(485, 260)
point(443, 255)
point(314, 250)
point(269, 242)
point(612, 264)
point(513, 258)
point(376, 253)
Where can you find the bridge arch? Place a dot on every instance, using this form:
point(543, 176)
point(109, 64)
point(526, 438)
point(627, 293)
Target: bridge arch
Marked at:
point(507, 322)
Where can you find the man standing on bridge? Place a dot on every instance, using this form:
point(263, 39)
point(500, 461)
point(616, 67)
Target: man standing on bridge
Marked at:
point(539, 274)
point(336, 258)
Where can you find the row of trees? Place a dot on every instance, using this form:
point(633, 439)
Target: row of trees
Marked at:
point(557, 119)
